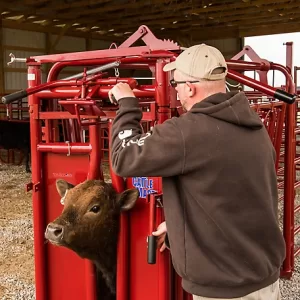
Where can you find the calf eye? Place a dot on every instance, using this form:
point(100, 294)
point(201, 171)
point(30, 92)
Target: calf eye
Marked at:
point(95, 209)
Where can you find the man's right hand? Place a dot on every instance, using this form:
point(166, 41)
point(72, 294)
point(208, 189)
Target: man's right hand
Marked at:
point(161, 234)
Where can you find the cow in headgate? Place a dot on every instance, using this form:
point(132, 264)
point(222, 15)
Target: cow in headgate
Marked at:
point(89, 223)
point(16, 135)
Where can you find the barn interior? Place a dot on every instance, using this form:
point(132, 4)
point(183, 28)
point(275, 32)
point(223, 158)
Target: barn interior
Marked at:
point(41, 27)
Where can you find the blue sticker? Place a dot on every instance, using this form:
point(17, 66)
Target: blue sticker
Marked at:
point(144, 185)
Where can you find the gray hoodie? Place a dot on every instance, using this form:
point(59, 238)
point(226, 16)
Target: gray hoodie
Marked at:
point(220, 191)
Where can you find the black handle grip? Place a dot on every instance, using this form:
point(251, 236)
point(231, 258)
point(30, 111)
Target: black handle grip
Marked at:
point(285, 96)
point(151, 249)
point(14, 96)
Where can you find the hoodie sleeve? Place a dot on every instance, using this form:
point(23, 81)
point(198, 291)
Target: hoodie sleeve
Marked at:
point(157, 153)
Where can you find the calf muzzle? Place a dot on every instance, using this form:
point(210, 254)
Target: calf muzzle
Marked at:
point(54, 232)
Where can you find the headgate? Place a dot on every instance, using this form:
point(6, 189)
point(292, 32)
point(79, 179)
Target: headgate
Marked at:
point(67, 117)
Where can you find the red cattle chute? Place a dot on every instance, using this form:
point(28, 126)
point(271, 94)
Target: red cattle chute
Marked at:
point(79, 105)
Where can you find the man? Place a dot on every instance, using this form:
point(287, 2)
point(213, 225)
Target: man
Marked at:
point(219, 180)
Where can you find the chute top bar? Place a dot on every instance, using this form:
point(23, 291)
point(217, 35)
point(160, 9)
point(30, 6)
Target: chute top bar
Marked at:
point(140, 56)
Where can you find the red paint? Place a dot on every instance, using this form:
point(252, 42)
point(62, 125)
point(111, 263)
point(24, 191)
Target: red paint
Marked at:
point(38, 190)
point(123, 241)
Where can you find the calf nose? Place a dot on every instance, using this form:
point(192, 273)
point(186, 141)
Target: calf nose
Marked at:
point(54, 232)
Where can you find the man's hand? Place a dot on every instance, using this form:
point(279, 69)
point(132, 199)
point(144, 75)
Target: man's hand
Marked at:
point(161, 233)
point(120, 90)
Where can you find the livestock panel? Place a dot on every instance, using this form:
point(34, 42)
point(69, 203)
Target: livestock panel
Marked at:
point(142, 272)
point(154, 271)
point(61, 263)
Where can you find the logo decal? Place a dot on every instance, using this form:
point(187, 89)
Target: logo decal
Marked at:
point(125, 134)
point(144, 185)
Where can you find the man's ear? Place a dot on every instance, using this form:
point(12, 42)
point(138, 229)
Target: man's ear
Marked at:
point(127, 199)
point(191, 89)
point(62, 186)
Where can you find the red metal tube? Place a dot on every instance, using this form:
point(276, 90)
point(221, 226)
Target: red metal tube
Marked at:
point(68, 148)
point(297, 230)
point(289, 176)
point(251, 83)
point(95, 172)
point(78, 83)
point(94, 55)
point(122, 292)
point(70, 92)
point(161, 95)
point(37, 195)
point(164, 266)
point(152, 214)
point(246, 65)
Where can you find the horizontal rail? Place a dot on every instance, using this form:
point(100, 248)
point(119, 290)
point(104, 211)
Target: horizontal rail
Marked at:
point(65, 148)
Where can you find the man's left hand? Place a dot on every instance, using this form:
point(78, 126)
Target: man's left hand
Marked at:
point(120, 90)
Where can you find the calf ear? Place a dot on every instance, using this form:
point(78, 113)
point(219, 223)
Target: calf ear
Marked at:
point(62, 186)
point(127, 199)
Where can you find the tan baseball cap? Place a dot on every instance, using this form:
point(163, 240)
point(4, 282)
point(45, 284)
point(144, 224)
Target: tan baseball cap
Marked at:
point(200, 61)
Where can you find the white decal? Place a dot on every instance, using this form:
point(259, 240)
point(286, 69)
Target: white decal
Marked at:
point(140, 142)
point(125, 134)
point(62, 200)
point(31, 77)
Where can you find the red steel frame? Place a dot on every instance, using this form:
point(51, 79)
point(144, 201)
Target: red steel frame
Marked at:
point(78, 97)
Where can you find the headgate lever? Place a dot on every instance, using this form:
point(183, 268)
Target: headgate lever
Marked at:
point(151, 239)
point(95, 70)
point(13, 59)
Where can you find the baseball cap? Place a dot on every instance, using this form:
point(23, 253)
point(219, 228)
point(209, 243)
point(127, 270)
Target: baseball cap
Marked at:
point(200, 61)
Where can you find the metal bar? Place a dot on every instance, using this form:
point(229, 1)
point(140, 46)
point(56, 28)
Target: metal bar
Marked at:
point(37, 195)
point(95, 172)
point(72, 91)
point(247, 66)
point(123, 239)
point(147, 116)
point(252, 83)
point(289, 175)
point(161, 95)
point(67, 148)
point(88, 55)
point(95, 70)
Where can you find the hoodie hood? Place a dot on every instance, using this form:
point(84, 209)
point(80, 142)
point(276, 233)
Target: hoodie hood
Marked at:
point(231, 107)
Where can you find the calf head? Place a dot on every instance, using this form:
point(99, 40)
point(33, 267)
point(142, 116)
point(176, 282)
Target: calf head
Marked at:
point(89, 222)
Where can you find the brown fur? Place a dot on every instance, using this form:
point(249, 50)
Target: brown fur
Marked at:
point(92, 235)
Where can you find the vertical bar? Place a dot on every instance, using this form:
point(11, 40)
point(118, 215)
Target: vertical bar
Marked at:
point(289, 173)
point(151, 257)
point(95, 172)
point(122, 292)
point(164, 267)
point(34, 79)
point(163, 113)
point(161, 92)
point(95, 169)
point(289, 55)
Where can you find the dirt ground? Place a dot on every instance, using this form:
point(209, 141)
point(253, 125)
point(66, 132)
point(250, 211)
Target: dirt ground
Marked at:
point(16, 240)
point(16, 237)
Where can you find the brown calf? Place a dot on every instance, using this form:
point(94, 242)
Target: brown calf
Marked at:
point(89, 223)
